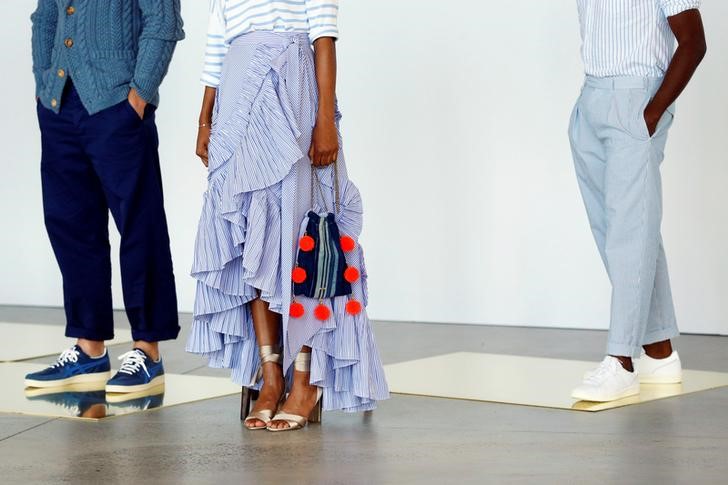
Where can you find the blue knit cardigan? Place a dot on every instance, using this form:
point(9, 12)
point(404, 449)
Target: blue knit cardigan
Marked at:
point(105, 46)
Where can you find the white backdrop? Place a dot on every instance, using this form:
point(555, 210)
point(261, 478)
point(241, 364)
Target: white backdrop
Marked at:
point(455, 130)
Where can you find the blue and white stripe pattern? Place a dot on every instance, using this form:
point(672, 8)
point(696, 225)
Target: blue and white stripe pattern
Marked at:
point(253, 216)
point(232, 18)
point(628, 37)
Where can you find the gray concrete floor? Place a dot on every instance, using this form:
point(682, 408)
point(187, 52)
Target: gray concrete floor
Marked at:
point(407, 440)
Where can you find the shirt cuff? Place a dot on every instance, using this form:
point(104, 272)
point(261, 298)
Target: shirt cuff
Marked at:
point(316, 34)
point(679, 6)
point(210, 79)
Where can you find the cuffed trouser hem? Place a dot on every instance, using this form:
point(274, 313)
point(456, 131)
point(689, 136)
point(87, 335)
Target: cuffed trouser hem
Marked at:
point(624, 350)
point(155, 335)
point(634, 351)
point(661, 335)
point(88, 334)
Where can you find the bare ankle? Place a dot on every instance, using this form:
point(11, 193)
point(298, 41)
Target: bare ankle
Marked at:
point(273, 375)
point(659, 350)
point(149, 348)
point(92, 348)
point(626, 362)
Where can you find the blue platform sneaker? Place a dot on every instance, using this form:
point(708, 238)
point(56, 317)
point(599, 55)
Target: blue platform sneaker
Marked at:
point(73, 366)
point(138, 372)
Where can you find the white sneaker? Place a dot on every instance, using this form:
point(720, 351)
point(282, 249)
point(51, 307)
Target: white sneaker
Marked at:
point(659, 371)
point(609, 382)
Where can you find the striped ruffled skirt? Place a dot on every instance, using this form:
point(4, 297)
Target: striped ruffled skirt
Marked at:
point(258, 195)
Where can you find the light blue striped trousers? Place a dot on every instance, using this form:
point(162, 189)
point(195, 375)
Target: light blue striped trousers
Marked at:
point(618, 169)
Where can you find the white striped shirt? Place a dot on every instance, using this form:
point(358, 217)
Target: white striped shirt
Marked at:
point(628, 37)
point(231, 18)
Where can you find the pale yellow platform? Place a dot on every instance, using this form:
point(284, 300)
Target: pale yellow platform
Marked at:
point(528, 381)
point(23, 341)
point(84, 402)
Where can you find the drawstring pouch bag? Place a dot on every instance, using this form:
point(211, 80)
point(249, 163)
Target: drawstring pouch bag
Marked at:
point(321, 271)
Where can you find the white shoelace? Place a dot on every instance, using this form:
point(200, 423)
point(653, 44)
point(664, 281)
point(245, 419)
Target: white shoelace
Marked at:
point(605, 369)
point(132, 362)
point(68, 355)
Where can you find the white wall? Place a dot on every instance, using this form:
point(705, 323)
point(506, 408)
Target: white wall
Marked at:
point(455, 128)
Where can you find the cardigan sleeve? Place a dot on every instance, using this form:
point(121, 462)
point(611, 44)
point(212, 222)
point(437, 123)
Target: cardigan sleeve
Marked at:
point(322, 18)
point(216, 46)
point(161, 30)
point(44, 20)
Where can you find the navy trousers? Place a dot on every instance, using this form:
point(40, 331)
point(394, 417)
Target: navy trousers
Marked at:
point(92, 165)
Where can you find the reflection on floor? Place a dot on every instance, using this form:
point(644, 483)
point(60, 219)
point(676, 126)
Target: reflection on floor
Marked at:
point(530, 381)
point(90, 401)
point(23, 341)
point(408, 439)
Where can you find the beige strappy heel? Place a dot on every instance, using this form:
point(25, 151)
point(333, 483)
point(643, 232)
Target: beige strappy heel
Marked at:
point(268, 353)
point(301, 364)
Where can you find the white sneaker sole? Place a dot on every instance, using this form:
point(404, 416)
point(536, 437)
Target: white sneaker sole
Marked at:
point(79, 379)
point(585, 396)
point(157, 381)
point(655, 379)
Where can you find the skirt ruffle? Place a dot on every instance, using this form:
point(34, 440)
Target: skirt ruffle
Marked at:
point(257, 157)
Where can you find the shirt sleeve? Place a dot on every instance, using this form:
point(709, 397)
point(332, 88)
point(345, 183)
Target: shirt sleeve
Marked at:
point(322, 18)
point(674, 7)
point(216, 46)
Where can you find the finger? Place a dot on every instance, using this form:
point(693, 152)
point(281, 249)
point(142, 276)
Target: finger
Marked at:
point(311, 152)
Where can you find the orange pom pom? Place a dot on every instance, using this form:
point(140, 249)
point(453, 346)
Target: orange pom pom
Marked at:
point(347, 244)
point(353, 307)
point(322, 312)
point(297, 310)
point(298, 275)
point(306, 243)
point(351, 274)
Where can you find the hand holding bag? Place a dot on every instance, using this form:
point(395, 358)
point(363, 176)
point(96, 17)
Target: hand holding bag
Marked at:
point(321, 270)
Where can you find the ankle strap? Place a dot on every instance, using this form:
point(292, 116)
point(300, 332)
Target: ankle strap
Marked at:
point(302, 362)
point(270, 353)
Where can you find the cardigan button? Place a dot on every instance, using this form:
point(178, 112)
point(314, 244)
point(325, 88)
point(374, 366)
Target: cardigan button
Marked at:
point(61, 73)
point(70, 10)
point(54, 102)
point(68, 42)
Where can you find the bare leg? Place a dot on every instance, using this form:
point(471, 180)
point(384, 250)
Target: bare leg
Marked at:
point(302, 399)
point(267, 325)
point(659, 350)
point(149, 348)
point(626, 362)
point(92, 348)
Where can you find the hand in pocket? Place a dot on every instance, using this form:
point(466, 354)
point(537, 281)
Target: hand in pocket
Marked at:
point(137, 103)
point(652, 118)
